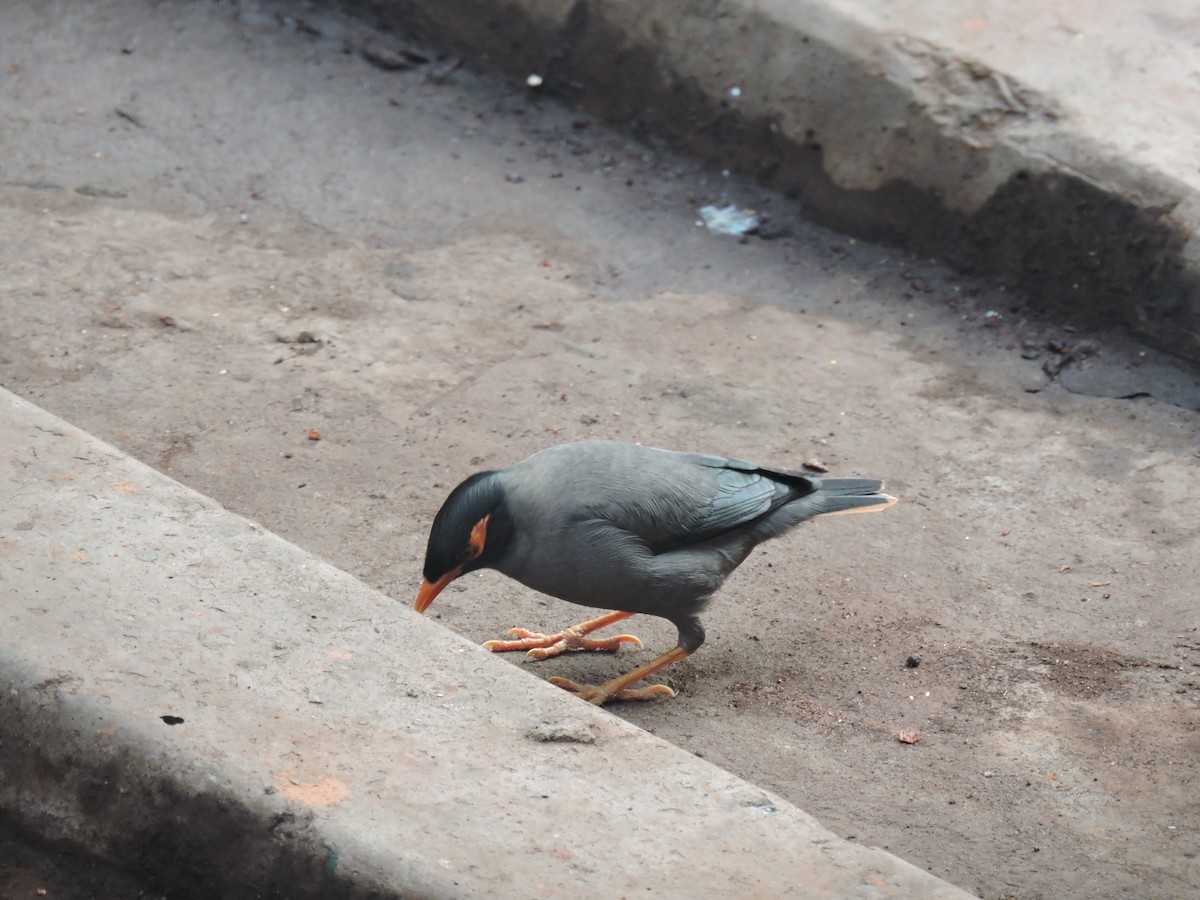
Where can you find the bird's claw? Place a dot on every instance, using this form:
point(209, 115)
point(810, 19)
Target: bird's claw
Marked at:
point(575, 642)
point(525, 633)
point(544, 646)
point(601, 694)
point(525, 640)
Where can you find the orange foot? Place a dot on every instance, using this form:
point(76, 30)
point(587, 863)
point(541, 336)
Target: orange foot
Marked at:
point(618, 688)
point(544, 646)
point(599, 694)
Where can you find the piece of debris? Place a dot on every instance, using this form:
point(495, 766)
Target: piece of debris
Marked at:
point(908, 737)
point(100, 193)
point(168, 321)
point(814, 464)
point(131, 117)
point(304, 337)
point(534, 81)
point(314, 435)
point(440, 73)
point(561, 732)
point(1067, 354)
point(762, 807)
point(992, 317)
point(729, 220)
point(393, 59)
point(914, 660)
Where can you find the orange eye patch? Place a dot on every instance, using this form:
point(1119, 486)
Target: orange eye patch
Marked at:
point(478, 538)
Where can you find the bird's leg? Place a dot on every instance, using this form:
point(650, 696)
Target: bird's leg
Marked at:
point(544, 646)
point(618, 688)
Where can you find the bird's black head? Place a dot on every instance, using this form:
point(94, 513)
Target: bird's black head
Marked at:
point(472, 530)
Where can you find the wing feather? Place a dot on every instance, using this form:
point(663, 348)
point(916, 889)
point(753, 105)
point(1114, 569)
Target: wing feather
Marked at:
point(689, 498)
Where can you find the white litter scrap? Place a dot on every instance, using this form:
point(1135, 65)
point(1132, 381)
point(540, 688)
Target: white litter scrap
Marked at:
point(729, 219)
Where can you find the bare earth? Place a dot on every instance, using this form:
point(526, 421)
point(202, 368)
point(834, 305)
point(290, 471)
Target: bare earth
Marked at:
point(226, 234)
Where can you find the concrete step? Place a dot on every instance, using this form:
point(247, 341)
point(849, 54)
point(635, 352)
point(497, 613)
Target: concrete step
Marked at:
point(220, 712)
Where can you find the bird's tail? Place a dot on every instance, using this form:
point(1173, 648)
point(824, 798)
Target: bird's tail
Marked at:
point(840, 496)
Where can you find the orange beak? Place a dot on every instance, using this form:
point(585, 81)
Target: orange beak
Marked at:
point(430, 590)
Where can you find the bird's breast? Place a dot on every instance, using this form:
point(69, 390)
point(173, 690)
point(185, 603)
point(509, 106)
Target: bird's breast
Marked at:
point(592, 563)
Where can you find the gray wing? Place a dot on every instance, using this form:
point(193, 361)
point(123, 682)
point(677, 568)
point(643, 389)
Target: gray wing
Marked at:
point(670, 500)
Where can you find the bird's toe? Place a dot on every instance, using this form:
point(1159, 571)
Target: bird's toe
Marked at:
point(606, 644)
point(525, 634)
point(527, 640)
point(650, 692)
point(600, 694)
point(554, 649)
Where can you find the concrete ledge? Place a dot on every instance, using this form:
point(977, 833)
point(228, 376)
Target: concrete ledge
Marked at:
point(219, 712)
point(880, 134)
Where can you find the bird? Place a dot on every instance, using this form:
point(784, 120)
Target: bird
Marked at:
point(628, 528)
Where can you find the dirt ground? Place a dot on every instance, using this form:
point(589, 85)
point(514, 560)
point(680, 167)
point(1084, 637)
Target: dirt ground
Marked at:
point(225, 231)
point(28, 872)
